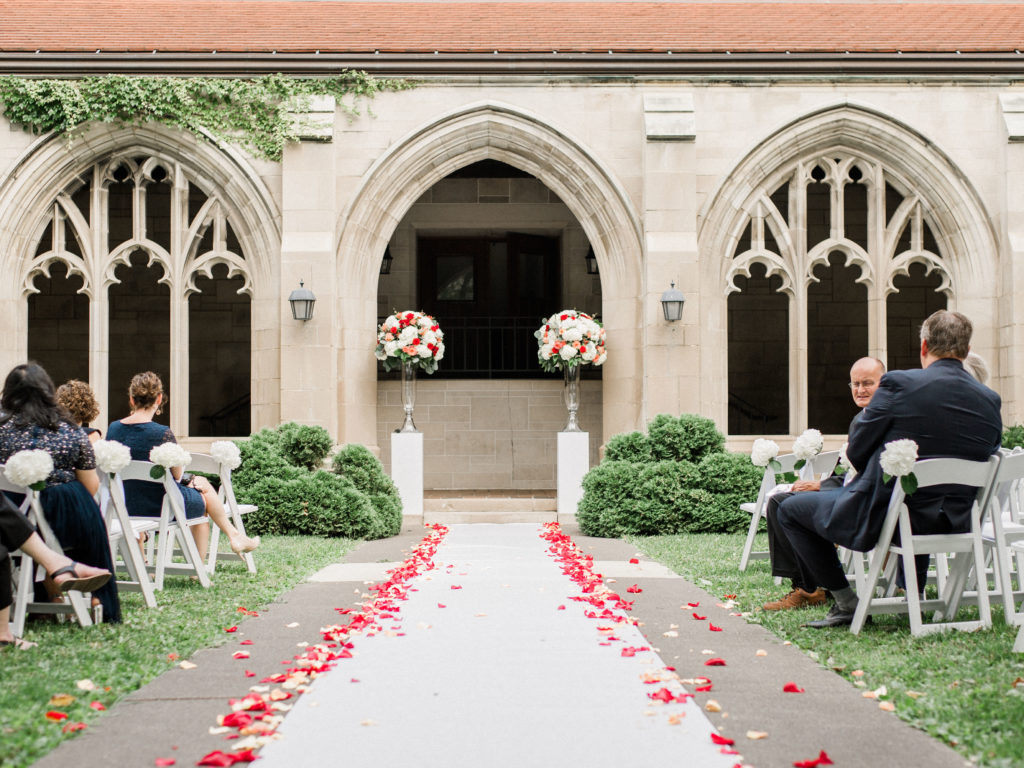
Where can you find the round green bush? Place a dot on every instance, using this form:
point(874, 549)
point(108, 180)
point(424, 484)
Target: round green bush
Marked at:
point(607, 492)
point(279, 473)
point(360, 466)
point(1013, 437)
point(686, 438)
point(731, 479)
point(630, 446)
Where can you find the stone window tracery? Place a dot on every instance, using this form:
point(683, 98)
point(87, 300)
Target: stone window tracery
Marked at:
point(137, 235)
point(848, 246)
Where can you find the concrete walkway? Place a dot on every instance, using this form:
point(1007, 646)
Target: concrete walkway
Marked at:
point(501, 676)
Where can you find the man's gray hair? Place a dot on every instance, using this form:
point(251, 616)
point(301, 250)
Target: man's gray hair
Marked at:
point(948, 334)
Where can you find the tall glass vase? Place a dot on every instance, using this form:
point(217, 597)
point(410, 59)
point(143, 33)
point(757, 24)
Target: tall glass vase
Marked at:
point(571, 395)
point(408, 396)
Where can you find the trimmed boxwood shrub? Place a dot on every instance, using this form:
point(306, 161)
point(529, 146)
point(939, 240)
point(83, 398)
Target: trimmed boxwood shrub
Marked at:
point(677, 478)
point(1013, 437)
point(280, 474)
point(356, 463)
point(630, 446)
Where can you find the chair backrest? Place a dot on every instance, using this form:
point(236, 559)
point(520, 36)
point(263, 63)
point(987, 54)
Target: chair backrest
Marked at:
point(140, 470)
point(947, 471)
point(770, 478)
point(823, 464)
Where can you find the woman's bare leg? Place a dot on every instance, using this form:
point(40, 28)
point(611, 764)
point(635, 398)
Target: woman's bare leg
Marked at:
point(216, 512)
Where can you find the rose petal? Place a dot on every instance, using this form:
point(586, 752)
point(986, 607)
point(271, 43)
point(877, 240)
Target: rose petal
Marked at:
point(98, 706)
point(887, 706)
point(698, 617)
point(757, 735)
point(792, 688)
point(703, 688)
point(715, 662)
point(821, 759)
point(245, 642)
point(456, 586)
point(73, 727)
point(240, 655)
point(231, 629)
point(61, 700)
point(249, 673)
point(56, 716)
point(634, 590)
point(86, 685)
point(441, 605)
point(713, 628)
point(721, 740)
point(164, 761)
point(712, 706)
point(633, 561)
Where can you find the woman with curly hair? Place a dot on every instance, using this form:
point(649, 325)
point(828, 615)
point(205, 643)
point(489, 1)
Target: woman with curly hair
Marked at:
point(32, 419)
point(141, 434)
point(77, 398)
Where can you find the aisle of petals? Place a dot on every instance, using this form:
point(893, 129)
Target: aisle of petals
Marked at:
point(254, 719)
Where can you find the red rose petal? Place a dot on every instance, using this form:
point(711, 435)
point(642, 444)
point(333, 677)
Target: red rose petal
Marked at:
point(231, 629)
point(441, 605)
point(164, 761)
point(634, 590)
point(703, 688)
point(56, 716)
point(792, 688)
point(727, 751)
point(561, 607)
point(728, 597)
point(694, 605)
point(72, 727)
point(217, 758)
point(633, 561)
point(822, 759)
point(698, 617)
point(240, 655)
point(456, 586)
point(249, 673)
point(97, 705)
point(721, 740)
point(713, 628)
point(715, 662)
point(245, 642)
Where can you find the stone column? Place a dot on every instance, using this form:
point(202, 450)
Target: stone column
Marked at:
point(309, 374)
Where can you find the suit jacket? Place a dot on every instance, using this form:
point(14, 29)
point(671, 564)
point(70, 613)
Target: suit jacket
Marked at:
point(948, 414)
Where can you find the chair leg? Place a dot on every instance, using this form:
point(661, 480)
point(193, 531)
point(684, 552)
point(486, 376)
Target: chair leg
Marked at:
point(913, 595)
point(748, 546)
point(865, 597)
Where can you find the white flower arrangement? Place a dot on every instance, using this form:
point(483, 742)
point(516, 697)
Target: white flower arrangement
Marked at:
point(807, 446)
point(167, 455)
point(29, 469)
point(111, 456)
point(570, 338)
point(225, 452)
point(763, 452)
point(410, 337)
point(897, 460)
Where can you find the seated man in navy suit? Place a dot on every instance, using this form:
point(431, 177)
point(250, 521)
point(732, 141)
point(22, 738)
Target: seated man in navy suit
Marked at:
point(947, 413)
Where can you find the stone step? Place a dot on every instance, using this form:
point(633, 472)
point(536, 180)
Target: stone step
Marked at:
point(449, 507)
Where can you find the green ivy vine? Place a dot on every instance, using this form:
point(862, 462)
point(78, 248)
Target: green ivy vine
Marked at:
point(259, 113)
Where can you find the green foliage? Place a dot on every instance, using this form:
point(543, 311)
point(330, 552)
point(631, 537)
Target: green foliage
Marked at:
point(305, 446)
point(366, 473)
point(1013, 437)
point(259, 113)
point(279, 473)
point(629, 446)
point(686, 438)
point(678, 478)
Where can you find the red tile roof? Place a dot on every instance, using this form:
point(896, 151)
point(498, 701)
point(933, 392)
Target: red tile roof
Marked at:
point(297, 26)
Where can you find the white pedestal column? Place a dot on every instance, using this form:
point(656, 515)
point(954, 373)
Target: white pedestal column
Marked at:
point(407, 470)
point(573, 463)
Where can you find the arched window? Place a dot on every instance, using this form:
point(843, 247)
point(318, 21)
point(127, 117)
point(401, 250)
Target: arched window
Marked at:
point(847, 242)
point(138, 267)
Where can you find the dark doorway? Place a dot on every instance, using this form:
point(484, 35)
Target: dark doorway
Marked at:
point(490, 294)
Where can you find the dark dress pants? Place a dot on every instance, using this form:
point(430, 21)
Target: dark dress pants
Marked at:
point(801, 523)
point(782, 555)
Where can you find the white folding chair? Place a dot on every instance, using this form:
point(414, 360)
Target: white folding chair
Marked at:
point(206, 464)
point(819, 467)
point(73, 603)
point(172, 526)
point(125, 532)
point(1003, 533)
point(968, 549)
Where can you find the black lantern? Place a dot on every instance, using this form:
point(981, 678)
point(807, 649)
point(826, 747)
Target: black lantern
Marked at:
point(591, 261)
point(672, 303)
point(302, 301)
point(385, 265)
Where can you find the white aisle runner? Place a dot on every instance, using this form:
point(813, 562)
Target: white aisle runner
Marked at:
point(498, 677)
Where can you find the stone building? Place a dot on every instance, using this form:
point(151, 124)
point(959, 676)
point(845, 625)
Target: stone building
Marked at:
point(814, 177)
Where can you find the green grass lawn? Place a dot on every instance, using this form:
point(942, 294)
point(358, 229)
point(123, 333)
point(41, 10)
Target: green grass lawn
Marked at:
point(957, 686)
point(124, 657)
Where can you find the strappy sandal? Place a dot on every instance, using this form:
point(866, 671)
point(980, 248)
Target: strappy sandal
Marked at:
point(18, 643)
point(76, 582)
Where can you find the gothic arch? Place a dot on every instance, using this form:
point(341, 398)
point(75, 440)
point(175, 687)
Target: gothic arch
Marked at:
point(944, 198)
point(429, 153)
point(52, 163)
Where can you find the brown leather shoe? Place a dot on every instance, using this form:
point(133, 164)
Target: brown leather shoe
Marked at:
point(798, 598)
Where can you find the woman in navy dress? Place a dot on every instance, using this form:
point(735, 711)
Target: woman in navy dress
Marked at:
point(141, 434)
point(31, 419)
